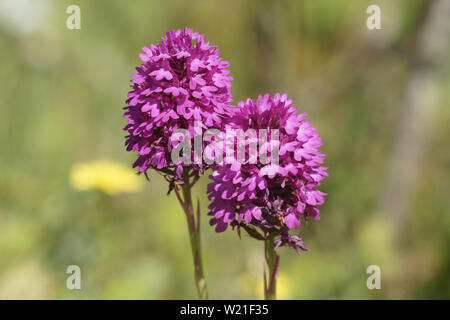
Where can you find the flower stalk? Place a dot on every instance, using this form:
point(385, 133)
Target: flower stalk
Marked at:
point(272, 265)
point(194, 234)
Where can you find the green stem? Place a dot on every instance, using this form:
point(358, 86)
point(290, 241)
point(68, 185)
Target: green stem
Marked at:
point(272, 263)
point(194, 235)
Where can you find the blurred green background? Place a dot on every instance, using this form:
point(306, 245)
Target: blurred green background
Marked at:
point(379, 98)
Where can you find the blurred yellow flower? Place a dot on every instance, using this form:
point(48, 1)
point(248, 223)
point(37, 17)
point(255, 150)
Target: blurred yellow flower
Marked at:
point(252, 286)
point(105, 175)
point(284, 287)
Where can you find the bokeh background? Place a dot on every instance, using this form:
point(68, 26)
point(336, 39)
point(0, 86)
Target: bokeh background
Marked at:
point(379, 98)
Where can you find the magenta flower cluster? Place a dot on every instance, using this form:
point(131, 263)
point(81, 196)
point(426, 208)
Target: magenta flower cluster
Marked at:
point(271, 199)
point(181, 80)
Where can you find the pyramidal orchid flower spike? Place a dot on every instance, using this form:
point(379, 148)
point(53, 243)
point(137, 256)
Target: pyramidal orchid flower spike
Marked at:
point(181, 80)
point(269, 200)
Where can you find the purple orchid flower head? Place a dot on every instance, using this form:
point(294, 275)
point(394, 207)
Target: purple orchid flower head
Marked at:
point(270, 198)
point(181, 80)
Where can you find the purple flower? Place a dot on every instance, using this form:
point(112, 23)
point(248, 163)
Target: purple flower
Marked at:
point(181, 80)
point(270, 198)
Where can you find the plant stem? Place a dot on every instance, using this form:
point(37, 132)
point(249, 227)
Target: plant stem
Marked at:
point(272, 264)
point(194, 235)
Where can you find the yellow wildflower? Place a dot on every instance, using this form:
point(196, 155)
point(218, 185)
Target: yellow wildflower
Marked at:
point(252, 286)
point(284, 287)
point(107, 176)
